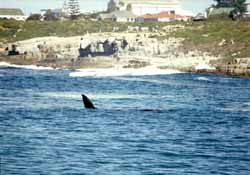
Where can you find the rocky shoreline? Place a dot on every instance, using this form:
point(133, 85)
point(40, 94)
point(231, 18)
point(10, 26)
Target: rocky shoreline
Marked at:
point(144, 49)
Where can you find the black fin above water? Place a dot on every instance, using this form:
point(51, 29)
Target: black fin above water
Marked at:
point(87, 102)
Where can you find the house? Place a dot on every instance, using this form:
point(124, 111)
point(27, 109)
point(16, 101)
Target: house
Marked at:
point(170, 17)
point(142, 7)
point(220, 11)
point(147, 18)
point(123, 16)
point(55, 13)
point(247, 13)
point(164, 16)
point(104, 16)
point(182, 18)
point(118, 16)
point(12, 13)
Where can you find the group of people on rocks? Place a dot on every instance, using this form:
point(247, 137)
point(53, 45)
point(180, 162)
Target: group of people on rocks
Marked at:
point(106, 48)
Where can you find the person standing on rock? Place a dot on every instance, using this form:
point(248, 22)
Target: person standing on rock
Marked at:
point(124, 43)
point(81, 44)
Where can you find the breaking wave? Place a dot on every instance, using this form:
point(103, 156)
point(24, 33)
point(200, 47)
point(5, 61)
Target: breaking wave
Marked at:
point(34, 67)
point(122, 72)
point(204, 66)
point(203, 79)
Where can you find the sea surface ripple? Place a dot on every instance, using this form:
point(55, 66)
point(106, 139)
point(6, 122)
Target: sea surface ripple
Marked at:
point(151, 125)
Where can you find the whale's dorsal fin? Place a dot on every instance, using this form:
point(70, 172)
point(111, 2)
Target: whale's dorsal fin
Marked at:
point(87, 103)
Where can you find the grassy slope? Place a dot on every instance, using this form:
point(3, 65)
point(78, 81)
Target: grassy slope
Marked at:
point(31, 29)
point(209, 36)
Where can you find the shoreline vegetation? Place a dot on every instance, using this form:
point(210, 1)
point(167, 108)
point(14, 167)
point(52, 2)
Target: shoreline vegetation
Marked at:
point(222, 45)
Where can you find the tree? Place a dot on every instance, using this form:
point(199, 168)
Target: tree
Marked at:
point(49, 15)
point(129, 7)
point(74, 8)
point(224, 3)
point(112, 6)
point(240, 6)
point(36, 17)
point(239, 9)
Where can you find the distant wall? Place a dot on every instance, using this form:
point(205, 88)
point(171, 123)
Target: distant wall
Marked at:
point(16, 17)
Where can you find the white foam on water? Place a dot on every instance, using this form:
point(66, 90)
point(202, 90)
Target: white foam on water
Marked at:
point(237, 107)
point(202, 79)
point(204, 66)
point(114, 72)
point(69, 95)
point(247, 103)
point(4, 64)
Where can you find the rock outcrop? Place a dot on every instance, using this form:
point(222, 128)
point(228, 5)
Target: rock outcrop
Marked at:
point(141, 50)
point(233, 67)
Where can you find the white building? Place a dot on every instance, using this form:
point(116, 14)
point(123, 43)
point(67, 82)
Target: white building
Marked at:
point(10, 13)
point(118, 16)
point(247, 13)
point(141, 7)
point(123, 16)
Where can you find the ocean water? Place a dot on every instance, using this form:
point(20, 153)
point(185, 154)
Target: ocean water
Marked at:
point(193, 123)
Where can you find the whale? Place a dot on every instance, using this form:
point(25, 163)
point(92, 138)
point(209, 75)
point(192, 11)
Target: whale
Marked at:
point(87, 102)
point(89, 105)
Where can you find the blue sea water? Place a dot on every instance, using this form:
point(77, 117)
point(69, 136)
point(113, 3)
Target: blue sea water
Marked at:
point(199, 124)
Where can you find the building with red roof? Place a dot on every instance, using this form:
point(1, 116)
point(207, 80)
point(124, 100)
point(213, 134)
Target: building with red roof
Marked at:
point(165, 16)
